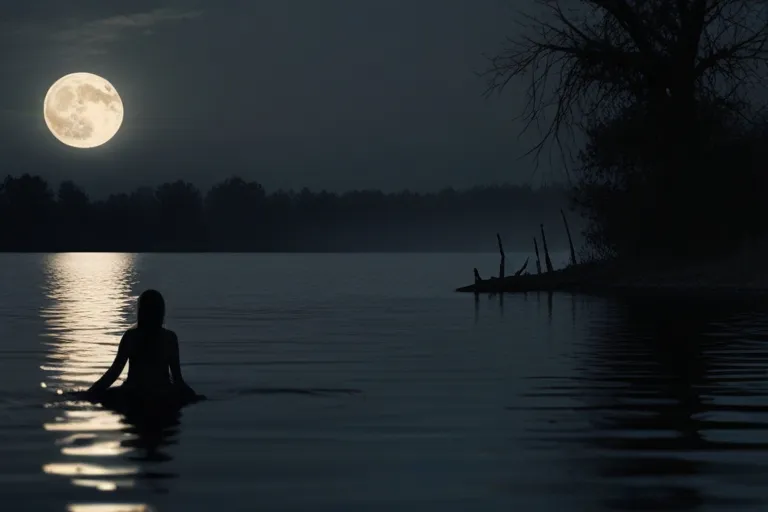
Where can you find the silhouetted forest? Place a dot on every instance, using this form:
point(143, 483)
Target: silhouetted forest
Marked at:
point(237, 215)
point(667, 96)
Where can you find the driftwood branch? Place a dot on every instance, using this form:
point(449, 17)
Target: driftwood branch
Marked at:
point(538, 259)
point(570, 240)
point(547, 260)
point(522, 269)
point(501, 251)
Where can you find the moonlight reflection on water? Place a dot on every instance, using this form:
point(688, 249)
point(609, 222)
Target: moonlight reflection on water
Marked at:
point(90, 304)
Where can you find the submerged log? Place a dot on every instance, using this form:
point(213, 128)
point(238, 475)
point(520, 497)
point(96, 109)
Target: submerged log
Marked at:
point(479, 280)
point(576, 278)
point(599, 277)
point(538, 259)
point(558, 280)
point(547, 261)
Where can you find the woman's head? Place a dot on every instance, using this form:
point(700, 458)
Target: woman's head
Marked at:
point(151, 310)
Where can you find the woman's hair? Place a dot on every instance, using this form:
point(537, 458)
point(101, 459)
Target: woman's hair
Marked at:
point(151, 312)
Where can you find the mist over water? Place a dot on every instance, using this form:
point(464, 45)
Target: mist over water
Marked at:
point(362, 382)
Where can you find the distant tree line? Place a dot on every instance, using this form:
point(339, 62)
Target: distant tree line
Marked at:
point(238, 215)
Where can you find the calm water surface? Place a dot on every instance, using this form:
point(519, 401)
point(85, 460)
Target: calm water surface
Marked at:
point(362, 382)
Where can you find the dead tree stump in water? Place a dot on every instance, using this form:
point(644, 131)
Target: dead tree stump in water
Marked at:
point(522, 269)
point(547, 260)
point(501, 251)
point(538, 259)
point(570, 240)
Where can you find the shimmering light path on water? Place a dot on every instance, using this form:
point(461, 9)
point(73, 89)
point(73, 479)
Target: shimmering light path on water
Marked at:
point(361, 382)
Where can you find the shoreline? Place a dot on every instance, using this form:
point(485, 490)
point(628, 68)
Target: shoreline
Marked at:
point(740, 276)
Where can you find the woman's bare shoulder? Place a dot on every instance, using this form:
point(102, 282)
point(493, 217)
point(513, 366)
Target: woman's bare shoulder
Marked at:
point(135, 332)
point(170, 335)
point(129, 338)
point(130, 333)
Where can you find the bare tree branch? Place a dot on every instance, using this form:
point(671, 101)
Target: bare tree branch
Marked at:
point(593, 61)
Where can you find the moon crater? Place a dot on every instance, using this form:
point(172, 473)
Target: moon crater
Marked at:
point(83, 110)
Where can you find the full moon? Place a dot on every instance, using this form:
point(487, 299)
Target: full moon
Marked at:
point(83, 110)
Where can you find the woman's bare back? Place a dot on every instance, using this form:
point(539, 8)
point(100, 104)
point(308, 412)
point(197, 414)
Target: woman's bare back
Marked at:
point(151, 354)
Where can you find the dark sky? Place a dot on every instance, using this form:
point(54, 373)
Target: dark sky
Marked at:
point(336, 94)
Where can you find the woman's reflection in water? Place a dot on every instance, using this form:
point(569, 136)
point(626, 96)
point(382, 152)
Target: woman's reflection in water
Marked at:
point(151, 432)
point(91, 303)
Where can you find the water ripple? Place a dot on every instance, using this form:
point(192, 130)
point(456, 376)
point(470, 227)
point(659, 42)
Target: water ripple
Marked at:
point(663, 400)
point(90, 301)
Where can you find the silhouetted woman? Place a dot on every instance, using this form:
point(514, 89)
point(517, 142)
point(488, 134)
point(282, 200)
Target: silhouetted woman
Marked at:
point(152, 354)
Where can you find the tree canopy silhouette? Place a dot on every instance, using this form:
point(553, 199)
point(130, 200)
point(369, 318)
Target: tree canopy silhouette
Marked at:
point(238, 215)
point(663, 92)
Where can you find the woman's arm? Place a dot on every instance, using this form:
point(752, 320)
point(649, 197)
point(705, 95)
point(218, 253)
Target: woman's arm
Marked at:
point(175, 364)
point(114, 371)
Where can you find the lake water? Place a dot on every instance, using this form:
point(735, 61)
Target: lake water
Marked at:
point(362, 382)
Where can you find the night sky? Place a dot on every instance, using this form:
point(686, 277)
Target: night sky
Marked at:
point(335, 94)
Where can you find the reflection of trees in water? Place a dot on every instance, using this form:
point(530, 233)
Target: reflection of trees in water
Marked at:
point(658, 391)
point(539, 297)
point(658, 365)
